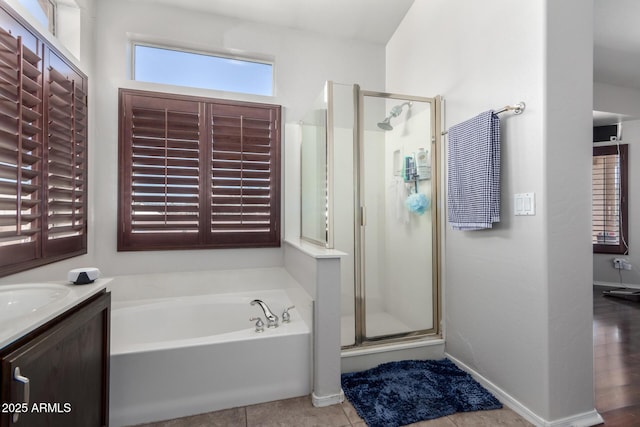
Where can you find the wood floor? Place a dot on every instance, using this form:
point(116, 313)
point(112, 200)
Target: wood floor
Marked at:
point(616, 340)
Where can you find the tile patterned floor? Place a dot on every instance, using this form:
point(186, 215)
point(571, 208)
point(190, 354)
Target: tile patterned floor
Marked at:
point(299, 412)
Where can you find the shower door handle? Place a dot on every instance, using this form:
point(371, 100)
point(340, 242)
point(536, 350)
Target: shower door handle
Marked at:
point(363, 216)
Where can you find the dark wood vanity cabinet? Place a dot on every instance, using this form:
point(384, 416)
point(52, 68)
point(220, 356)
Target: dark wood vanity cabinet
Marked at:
point(66, 362)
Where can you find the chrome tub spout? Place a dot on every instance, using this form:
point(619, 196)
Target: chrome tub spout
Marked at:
point(272, 319)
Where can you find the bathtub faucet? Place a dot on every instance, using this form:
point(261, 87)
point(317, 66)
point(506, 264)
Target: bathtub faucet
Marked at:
point(272, 319)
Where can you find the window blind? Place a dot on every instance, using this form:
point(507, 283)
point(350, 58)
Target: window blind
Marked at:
point(609, 199)
point(197, 173)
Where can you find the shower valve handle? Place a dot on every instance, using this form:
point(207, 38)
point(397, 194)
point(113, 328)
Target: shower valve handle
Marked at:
point(286, 317)
point(259, 323)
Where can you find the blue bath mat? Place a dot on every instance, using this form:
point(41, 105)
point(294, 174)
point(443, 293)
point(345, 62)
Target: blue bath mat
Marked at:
point(400, 393)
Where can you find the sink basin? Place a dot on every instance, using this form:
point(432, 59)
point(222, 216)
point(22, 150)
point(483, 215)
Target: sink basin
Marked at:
point(20, 300)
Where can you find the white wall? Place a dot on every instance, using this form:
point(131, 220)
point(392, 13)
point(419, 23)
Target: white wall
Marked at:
point(568, 160)
point(303, 61)
point(511, 312)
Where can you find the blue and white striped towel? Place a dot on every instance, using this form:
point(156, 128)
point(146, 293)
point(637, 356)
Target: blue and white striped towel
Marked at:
point(473, 197)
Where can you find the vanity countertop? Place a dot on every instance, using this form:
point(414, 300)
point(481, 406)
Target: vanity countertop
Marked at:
point(17, 327)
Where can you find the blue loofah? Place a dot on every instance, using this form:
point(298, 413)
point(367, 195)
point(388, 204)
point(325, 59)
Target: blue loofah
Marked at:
point(417, 203)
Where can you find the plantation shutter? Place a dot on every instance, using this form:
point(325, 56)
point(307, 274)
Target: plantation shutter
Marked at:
point(608, 199)
point(244, 190)
point(43, 139)
point(20, 151)
point(161, 158)
point(66, 158)
point(197, 173)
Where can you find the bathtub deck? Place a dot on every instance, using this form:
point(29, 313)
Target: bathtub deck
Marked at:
point(298, 412)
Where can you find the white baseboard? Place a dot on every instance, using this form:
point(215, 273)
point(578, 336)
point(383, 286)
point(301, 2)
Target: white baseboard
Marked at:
point(586, 419)
point(617, 284)
point(322, 401)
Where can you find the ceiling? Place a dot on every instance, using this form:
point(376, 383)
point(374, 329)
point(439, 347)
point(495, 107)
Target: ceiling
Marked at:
point(367, 20)
point(616, 54)
point(603, 118)
point(617, 42)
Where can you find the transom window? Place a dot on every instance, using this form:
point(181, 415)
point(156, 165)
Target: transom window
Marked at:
point(178, 67)
point(44, 11)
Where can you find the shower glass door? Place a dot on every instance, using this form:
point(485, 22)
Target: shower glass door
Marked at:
point(396, 268)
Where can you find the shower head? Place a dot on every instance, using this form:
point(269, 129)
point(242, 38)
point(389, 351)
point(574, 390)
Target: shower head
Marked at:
point(385, 125)
point(395, 112)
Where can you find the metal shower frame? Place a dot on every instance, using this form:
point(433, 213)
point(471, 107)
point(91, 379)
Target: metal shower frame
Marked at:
point(361, 339)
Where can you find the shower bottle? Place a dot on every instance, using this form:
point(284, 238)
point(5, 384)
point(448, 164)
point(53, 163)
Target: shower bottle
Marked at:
point(423, 164)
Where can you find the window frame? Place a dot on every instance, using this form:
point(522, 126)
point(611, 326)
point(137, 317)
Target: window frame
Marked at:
point(202, 236)
point(622, 248)
point(248, 59)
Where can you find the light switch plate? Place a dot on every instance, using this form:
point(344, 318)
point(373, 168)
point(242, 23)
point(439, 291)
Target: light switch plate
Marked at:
point(524, 204)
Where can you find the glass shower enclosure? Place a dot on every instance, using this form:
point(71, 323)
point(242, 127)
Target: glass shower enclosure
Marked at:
point(379, 206)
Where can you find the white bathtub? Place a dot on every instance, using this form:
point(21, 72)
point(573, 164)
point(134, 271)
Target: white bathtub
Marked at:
point(173, 356)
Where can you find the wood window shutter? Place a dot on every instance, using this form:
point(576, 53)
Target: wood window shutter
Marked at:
point(20, 151)
point(66, 166)
point(43, 142)
point(245, 202)
point(609, 199)
point(160, 180)
point(197, 173)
